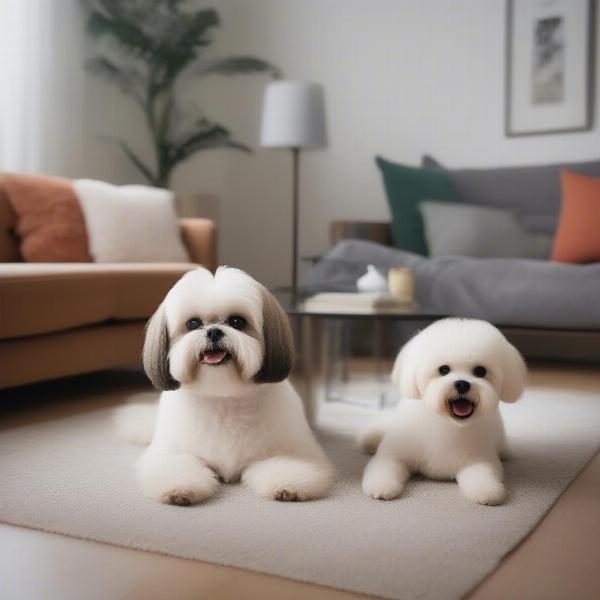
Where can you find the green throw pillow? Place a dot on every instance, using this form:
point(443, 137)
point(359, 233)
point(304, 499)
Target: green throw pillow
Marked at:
point(405, 188)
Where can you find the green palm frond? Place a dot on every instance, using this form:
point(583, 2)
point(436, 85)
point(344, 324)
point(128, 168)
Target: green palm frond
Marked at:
point(191, 30)
point(181, 41)
point(128, 34)
point(160, 42)
point(235, 65)
point(166, 116)
point(199, 139)
point(129, 80)
point(233, 145)
point(137, 162)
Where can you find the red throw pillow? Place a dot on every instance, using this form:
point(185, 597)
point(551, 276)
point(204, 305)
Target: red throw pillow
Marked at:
point(50, 224)
point(577, 238)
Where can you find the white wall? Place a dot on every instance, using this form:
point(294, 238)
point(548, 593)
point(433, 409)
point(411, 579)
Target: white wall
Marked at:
point(402, 77)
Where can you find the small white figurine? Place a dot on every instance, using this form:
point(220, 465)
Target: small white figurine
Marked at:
point(372, 281)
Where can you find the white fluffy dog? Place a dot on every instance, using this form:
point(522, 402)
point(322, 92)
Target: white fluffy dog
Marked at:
point(448, 425)
point(220, 347)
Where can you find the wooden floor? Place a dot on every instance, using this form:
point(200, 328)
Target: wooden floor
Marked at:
point(561, 559)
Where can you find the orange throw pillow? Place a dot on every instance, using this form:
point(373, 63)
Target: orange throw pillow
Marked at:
point(577, 238)
point(50, 224)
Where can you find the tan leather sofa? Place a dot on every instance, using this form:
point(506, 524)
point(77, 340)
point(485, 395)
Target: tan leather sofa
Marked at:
point(62, 319)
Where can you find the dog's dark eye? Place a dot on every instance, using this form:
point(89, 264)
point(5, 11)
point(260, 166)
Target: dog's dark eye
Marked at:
point(193, 324)
point(480, 371)
point(236, 322)
point(444, 370)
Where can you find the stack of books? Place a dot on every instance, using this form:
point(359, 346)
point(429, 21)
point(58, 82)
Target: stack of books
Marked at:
point(352, 302)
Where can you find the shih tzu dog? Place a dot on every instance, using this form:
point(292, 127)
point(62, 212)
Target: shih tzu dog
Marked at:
point(451, 376)
point(220, 348)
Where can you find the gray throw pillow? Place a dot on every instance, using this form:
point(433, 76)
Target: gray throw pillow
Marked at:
point(479, 231)
point(532, 193)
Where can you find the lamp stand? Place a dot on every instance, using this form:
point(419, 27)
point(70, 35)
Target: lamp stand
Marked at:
point(295, 199)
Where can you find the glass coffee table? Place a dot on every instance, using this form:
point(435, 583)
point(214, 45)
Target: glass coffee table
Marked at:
point(322, 344)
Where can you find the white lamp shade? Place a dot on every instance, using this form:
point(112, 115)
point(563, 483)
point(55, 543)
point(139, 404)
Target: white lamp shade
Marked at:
point(293, 115)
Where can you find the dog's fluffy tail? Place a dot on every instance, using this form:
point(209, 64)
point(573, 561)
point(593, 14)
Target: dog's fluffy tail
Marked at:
point(135, 422)
point(370, 438)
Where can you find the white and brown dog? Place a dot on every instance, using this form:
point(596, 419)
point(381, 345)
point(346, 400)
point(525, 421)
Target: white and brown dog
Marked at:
point(220, 348)
point(447, 426)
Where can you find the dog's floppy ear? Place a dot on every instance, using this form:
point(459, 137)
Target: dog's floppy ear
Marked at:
point(278, 342)
point(156, 351)
point(514, 373)
point(404, 373)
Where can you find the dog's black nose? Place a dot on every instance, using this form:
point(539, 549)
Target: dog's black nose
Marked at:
point(462, 386)
point(214, 334)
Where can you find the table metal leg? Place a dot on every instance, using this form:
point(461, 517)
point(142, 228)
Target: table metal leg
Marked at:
point(330, 357)
point(378, 359)
point(307, 370)
point(345, 351)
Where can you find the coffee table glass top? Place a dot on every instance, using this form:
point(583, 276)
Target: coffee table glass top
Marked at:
point(296, 305)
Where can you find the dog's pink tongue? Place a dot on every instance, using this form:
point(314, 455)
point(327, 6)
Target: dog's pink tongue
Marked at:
point(462, 407)
point(212, 358)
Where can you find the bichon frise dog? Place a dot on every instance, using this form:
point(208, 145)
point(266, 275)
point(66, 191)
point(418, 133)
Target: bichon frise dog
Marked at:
point(448, 425)
point(220, 348)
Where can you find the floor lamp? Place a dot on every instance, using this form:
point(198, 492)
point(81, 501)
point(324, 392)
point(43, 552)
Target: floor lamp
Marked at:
point(294, 118)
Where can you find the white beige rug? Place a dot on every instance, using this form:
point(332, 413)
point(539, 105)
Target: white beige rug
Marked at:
point(72, 476)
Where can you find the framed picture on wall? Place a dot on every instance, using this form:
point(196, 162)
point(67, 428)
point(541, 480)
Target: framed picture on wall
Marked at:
point(549, 56)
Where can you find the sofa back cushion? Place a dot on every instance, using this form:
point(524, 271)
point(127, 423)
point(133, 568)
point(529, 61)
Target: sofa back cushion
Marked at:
point(49, 222)
point(533, 193)
point(405, 188)
point(480, 231)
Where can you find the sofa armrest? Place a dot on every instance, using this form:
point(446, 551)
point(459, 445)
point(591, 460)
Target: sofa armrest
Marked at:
point(373, 231)
point(200, 239)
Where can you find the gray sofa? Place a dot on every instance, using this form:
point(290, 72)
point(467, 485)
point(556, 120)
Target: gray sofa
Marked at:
point(549, 310)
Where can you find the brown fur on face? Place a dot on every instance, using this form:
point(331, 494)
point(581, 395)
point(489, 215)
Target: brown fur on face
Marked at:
point(156, 352)
point(278, 342)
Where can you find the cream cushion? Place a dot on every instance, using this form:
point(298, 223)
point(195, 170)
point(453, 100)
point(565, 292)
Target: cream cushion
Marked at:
point(130, 223)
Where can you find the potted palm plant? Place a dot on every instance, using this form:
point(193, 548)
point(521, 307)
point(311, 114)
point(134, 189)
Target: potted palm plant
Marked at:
point(157, 44)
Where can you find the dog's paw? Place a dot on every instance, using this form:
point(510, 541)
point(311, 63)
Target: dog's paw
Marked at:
point(186, 495)
point(180, 498)
point(384, 478)
point(381, 489)
point(289, 493)
point(286, 496)
point(490, 493)
point(288, 479)
point(177, 479)
point(482, 483)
